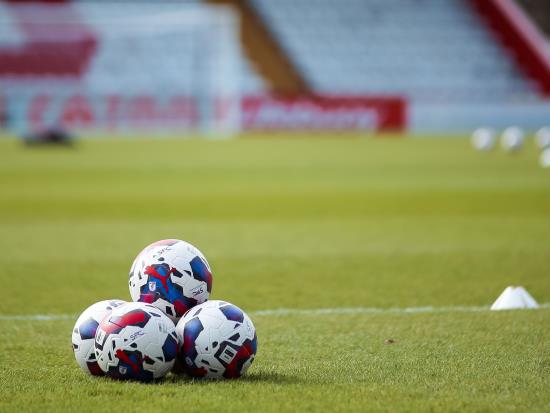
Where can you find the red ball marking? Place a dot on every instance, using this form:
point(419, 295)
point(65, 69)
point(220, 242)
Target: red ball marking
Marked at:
point(232, 370)
point(122, 356)
point(115, 324)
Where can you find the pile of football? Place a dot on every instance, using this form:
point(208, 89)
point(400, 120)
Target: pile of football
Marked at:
point(169, 326)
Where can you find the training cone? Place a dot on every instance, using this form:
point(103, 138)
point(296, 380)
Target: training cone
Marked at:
point(513, 298)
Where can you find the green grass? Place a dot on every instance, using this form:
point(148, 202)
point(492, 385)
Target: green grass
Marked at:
point(287, 223)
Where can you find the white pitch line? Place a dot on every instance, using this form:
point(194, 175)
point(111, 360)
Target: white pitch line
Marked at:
point(295, 311)
point(374, 310)
point(38, 317)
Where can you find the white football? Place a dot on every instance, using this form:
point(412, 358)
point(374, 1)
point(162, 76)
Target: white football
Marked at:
point(217, 340)
point(84, 334)
point(136, 341)
point(484, 139)
point(542, 138)
point(512, 139)
point(172, 275)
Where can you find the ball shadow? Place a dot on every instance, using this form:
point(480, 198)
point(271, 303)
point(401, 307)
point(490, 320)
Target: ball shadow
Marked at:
point(271, 377)
point(258, 377)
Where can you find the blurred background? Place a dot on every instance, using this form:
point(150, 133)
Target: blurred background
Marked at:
point(260, 208)
point(221, 67)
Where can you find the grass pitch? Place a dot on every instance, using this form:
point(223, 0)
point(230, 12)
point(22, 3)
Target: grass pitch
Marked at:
point(295, 224)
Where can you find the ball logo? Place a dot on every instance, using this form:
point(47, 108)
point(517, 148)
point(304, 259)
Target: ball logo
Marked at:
point(100, 337)
point(228, 354)
point(197, 290)
point(159, 253)
point(152, 286)
point(137, 334)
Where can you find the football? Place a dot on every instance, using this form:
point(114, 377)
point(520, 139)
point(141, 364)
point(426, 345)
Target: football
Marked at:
point(512, 139)
point(217, 340)
point(172, 275)
point(136, 341)
point(542, 138)
point(483, 139)
point(84, 334)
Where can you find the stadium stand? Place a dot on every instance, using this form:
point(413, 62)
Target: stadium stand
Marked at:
point(448, 65)
point(513, 27)
point(425, 49)
point(260, 44)
point(89, 54)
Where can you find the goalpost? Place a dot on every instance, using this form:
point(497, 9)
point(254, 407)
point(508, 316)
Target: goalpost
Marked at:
point(161, 68)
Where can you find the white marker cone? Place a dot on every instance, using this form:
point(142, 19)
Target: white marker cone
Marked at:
point(514, 297)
